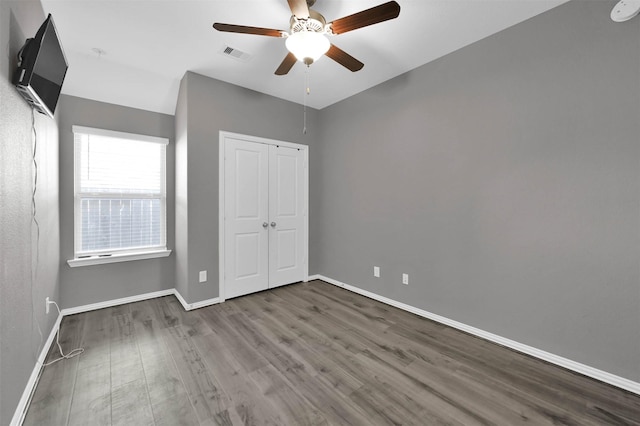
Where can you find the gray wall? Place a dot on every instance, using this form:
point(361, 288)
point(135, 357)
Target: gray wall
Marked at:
point(90, 284)
point(212, 106)
point(504, 179)
point(182, 193)
point(29, 266)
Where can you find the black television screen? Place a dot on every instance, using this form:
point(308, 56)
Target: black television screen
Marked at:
point(42, 67)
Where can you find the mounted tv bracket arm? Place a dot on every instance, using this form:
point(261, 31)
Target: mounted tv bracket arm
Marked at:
point(20, 57)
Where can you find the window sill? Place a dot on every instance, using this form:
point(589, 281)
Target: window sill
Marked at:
point(115, 258)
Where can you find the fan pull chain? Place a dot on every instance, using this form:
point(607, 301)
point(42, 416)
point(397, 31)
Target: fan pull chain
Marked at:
point(307, 91)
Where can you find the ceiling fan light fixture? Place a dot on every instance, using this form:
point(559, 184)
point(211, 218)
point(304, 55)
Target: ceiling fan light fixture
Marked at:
point(306, 40)
point(307, 46)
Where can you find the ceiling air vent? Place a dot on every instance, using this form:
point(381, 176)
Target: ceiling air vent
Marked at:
point(235, 54)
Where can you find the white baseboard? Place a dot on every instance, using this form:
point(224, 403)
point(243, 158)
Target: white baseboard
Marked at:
point(183, 302)
point(116, 302)
point(196, 305)
point(204, 303)
point(21, 409)
point(586, 370)
point(141, 297)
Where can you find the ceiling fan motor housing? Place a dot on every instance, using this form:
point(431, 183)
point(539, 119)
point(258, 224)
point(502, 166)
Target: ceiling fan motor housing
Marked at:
point(315, 23)
point(313, 27)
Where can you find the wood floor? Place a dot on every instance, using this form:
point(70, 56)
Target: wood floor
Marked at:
point(305, 354)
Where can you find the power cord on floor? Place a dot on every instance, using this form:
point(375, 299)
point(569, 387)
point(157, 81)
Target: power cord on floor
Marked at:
point(71, 354)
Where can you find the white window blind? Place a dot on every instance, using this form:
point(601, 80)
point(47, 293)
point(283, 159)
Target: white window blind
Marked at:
point(120, 192)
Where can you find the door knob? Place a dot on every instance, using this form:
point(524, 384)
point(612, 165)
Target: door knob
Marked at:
point(273, 224)
point(265, 224)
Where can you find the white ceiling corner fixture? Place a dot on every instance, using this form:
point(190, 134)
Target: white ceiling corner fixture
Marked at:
point(625, 10)
point(307, 39)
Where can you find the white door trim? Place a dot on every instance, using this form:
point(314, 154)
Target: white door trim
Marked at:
point(221, 200)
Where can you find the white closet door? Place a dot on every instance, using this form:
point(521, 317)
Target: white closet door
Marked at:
point(286, 215)
point(246, 217)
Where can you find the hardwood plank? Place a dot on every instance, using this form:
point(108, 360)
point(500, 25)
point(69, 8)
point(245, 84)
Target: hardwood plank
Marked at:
point(164, 312)
point(539, 388)
point(92, 396)
point(354, 339)
point(382, 411)
point(175, 411)
point(323, 356)
point(280, 334)
point(126, 365)
point(96, 338)
point(246, 353)
point(148, 330)
point(334, 330)
point(246, 403)
point(203, 390)
point(120, 309)
point(52, 398)
point(391, 314)
point(96, 413)
point(191, 321)
point(308, 353)
point(465, 379)
point(448, 394)
point(223, 418)
point(329, 400)
point(160, 371)
point(130, 404)
point(354, 313)
point(293, 407)
point(362, 330)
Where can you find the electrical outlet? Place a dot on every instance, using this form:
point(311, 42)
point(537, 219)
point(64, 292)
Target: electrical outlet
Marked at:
point(376, 271)
point(203, 276)
point(405, 279)
point(46, 306)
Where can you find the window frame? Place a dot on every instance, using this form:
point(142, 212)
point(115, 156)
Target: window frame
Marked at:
point(118, 255)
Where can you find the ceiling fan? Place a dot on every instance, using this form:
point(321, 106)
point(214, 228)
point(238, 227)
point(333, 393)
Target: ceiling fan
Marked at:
point(306, 39)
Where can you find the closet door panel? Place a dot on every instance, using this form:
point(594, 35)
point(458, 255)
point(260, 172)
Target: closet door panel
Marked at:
point(286, 215)
point(246, 214)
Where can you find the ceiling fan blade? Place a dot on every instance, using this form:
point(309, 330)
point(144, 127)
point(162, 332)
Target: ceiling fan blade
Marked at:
point(344, 59)
point(286, 65)
point(299, 8)
point(242, 29)
point(381, 13)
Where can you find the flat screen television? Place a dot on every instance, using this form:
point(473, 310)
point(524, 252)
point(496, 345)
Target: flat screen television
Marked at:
point(42, 67)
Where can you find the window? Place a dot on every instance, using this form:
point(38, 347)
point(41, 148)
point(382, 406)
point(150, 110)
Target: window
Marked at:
point(120, 195)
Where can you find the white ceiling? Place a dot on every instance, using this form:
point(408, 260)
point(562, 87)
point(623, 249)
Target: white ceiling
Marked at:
point(149, 45)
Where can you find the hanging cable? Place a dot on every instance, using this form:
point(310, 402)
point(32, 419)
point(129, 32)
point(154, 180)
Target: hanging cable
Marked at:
point(306, 93)
point(34, 219)
point(71, 354)
point(34, 269)
point(35, 184)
